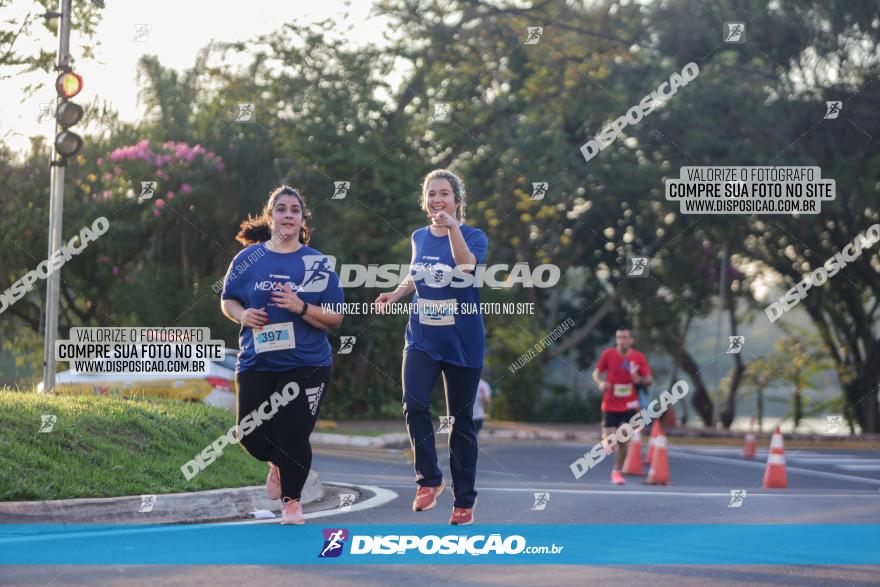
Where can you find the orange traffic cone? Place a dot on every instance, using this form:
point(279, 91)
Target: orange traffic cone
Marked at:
point(633, 463)
point(774, 474)
point(659, 472)
point(751, 445)
point(654, 428)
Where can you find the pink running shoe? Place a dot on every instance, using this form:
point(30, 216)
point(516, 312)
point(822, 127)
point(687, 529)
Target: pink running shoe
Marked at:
point(617, 478)
point(462, 516)
point(426, 497)
point(292, 512)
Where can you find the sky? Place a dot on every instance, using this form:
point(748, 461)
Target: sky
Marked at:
point(177, 31)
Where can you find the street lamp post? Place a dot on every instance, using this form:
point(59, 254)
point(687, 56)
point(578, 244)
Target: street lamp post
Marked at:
point(56, 208)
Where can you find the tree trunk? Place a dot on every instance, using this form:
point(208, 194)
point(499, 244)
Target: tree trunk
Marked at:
point(861, 391)
point(760, 410)
point(861, 394)
point(701, 400)
point(728, 412)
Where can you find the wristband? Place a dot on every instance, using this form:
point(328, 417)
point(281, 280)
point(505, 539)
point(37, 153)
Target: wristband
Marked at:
point(305, 309)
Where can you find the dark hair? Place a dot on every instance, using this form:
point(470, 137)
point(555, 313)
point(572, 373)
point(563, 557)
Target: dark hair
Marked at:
point(623, 327)
point(257, 229)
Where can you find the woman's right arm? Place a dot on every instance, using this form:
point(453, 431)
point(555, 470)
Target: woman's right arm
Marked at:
point(252, 317)
point(406, 287)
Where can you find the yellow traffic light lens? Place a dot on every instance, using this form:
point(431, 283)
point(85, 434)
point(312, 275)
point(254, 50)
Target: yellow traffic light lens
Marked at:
point(69, 84)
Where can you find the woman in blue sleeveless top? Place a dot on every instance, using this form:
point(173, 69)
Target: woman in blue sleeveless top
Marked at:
point(444, 337)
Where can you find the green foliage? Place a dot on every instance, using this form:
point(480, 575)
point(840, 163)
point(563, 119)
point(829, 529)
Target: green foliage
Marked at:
point(104, 447)
point(517, 390)
point(21, 27)
point(519, 113)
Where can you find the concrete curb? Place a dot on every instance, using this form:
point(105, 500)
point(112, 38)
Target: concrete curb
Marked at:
point(679, 436)
point(173, 508)
point(391, 440)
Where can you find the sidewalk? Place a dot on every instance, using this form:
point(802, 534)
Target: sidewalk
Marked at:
point(392, 434)
point(174, 508)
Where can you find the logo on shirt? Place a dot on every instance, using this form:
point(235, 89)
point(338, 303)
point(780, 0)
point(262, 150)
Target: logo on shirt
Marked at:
point(269, 285)
point(433, 274)
point(315, 278)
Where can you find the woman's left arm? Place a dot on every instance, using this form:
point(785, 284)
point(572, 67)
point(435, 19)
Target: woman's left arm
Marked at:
point(322, 318)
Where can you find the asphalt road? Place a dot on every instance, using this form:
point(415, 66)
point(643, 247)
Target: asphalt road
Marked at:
point(825, 487)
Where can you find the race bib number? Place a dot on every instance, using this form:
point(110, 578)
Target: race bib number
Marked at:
point(622, 389)
point(274, 337)
point(437, 312)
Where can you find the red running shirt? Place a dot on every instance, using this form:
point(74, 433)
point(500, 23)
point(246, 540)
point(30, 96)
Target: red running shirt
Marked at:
point(623, 395)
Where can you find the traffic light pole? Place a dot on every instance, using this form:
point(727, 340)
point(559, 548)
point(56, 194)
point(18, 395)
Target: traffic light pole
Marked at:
point(56, 209)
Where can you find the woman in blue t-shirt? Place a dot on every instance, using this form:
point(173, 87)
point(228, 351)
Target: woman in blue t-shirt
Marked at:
point(278, 291)
point(445, 337)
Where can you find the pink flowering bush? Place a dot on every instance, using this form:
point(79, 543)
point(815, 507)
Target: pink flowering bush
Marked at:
point(185, 177)
point(180, 171)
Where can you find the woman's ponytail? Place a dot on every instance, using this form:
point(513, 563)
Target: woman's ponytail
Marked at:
point(253, 230)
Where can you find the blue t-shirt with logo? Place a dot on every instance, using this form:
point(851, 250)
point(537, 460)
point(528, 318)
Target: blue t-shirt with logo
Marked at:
point(253, 275)
point(447, 335)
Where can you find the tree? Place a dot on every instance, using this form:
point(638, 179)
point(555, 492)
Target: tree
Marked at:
point(20, 25)
point(757, 377)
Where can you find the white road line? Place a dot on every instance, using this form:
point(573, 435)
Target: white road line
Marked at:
point(805, 458)
point(647, 492)
point(861, 467)
point(381, 497)
point(760, 465)
point(791, 453)
point(830, 461)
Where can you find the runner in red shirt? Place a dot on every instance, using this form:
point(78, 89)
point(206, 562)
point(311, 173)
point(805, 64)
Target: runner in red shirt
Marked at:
point(624, 368)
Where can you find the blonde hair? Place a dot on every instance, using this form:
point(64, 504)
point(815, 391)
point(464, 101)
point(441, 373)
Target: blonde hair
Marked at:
point(458, 190)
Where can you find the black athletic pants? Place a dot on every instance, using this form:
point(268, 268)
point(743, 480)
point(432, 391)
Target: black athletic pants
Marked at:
point(283, 439)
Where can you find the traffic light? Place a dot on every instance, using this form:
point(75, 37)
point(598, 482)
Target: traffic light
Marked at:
point(68, 113)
